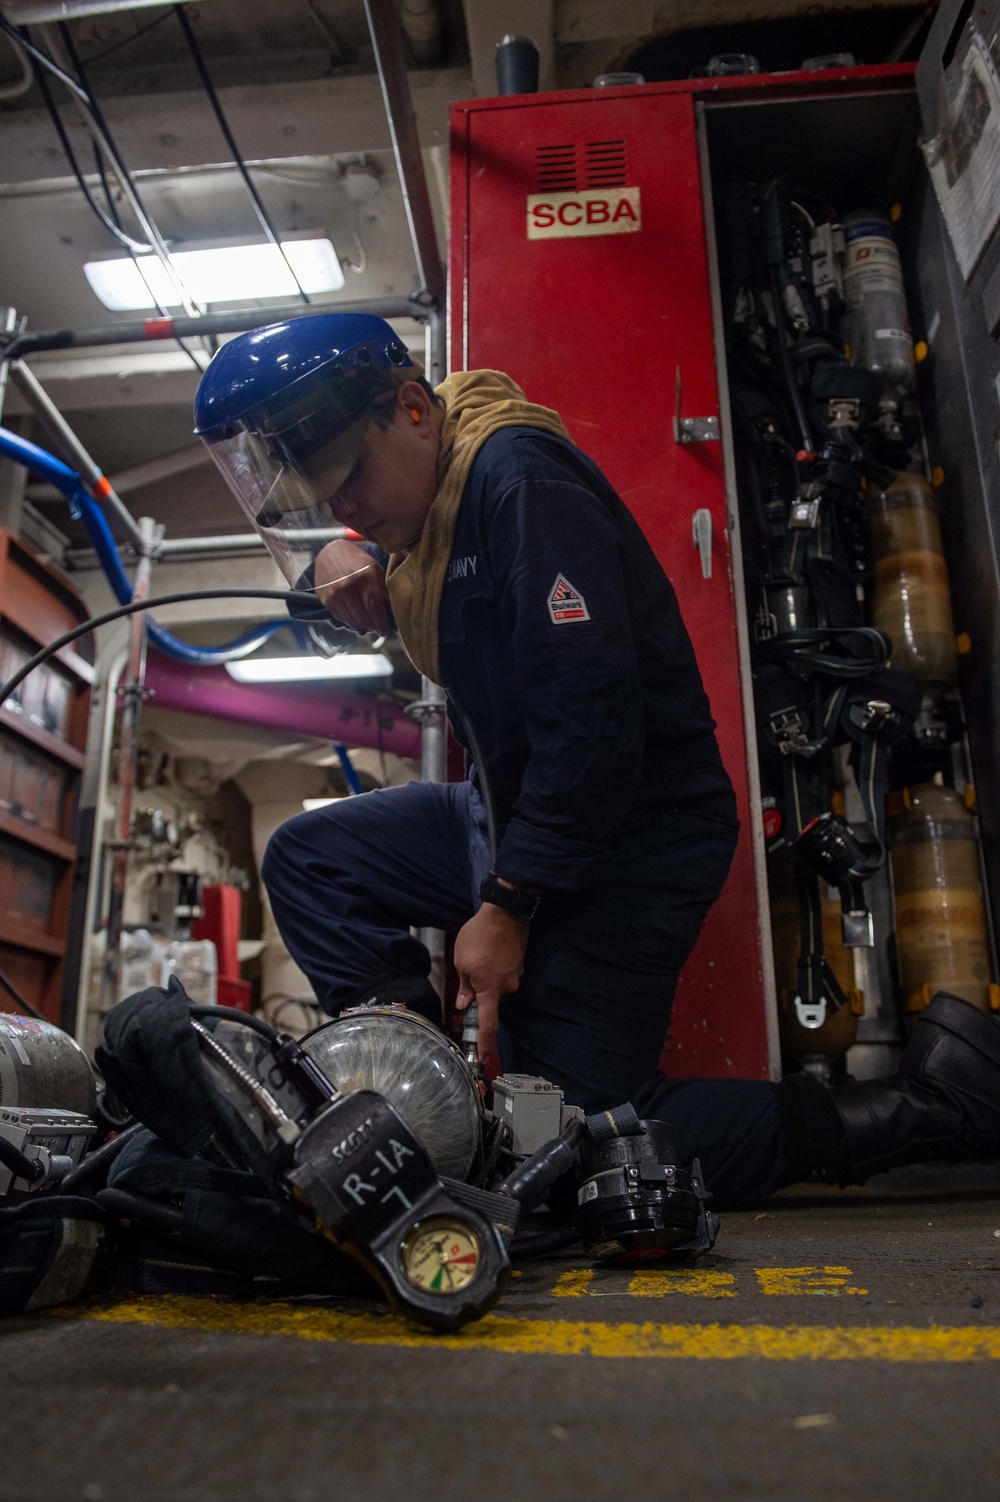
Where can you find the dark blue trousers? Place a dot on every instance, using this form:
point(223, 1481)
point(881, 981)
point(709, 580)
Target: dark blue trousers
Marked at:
point(348, 882)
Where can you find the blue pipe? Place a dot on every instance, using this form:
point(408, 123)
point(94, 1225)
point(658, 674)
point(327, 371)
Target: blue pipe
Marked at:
point(85, 508)
point(350, 776)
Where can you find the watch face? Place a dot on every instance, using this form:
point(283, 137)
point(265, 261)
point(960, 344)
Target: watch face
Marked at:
point(441, 1255)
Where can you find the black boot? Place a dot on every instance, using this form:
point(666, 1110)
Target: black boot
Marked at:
point(944, 1103)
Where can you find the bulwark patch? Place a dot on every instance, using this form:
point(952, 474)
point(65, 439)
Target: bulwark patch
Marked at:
point(566, 603)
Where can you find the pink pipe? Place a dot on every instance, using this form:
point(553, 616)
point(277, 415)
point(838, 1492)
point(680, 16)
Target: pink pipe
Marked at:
point(328, 714)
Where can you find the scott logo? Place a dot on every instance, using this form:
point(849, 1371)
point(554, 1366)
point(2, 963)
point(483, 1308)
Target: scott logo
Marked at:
point(596, 211)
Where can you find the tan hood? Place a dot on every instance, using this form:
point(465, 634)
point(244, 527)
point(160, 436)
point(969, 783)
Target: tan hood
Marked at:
point(477, 404)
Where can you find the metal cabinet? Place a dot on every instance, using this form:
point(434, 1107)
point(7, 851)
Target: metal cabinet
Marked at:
point(585, 263)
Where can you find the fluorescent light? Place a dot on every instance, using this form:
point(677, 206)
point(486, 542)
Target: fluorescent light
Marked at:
point(304, 669)
point(229, 273)
point(309, 804)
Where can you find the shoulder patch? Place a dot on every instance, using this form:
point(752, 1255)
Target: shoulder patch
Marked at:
point(566, 603)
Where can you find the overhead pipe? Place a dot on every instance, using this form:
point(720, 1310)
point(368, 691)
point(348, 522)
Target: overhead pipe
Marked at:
point(72, 449)
point(421, 20)
point(517, 64)
point(30, 12)
point(145, 330)
point(332, 715)
point(234, 542)
point(131, 693)
point(390, 60)
point(25, 82)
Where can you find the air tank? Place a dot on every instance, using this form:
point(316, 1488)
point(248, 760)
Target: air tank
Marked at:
point(839, 1030)
point(940, 916)
point(912, 597)
point(875, 323)
point(40, 1065)
point(419, 1071)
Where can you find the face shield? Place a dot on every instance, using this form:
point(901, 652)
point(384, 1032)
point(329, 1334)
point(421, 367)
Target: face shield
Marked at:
point(286, 460)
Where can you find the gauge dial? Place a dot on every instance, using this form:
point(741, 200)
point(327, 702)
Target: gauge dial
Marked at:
point(441, 1255)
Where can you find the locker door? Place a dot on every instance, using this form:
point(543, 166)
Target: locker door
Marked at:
point(593, 312)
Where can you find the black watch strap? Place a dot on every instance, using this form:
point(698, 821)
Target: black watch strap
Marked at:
point(520, 904)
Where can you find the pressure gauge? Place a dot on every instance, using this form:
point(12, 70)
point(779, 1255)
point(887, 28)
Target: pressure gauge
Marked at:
point(441, 1255)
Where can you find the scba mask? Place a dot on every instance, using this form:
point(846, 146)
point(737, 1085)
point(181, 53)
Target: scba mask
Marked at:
point(284, 412)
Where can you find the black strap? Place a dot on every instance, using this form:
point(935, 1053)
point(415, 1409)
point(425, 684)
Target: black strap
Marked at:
point(816, 981)
point(622, 1121)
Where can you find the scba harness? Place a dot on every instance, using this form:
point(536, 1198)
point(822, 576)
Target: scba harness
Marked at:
point(817, 689)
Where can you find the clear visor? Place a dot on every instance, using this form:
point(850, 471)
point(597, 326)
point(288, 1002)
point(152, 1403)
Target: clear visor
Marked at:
point(290, 501)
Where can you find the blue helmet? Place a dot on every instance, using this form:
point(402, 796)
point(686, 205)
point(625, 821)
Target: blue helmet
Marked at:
point(284, 411)
point(259, 376)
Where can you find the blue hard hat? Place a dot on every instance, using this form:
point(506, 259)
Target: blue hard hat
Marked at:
point(264, 381)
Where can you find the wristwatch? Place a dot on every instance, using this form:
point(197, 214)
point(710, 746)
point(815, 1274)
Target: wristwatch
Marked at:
point(511, 899)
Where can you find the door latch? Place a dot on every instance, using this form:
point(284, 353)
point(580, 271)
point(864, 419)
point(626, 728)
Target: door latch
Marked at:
point(701, 532)
point(693, 429)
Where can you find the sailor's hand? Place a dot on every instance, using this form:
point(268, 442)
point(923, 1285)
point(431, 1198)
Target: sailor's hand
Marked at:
point(351, 585)
point(489, 958)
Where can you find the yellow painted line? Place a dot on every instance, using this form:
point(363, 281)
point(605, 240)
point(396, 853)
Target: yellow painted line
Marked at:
point(696, 1282)
point(574, 1284)
point(806, 1280)
point(556, 1337)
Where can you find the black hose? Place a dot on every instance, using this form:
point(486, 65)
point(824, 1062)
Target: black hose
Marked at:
point(223, 124)
point(42, 656)
point(131, 1207)
point(98, 1161)
point(522, 1248)
point(46, 62)
point(119, 234)
point(112, 210)
point(245, 1019)
point(787, 370)
point(20, 1165)
point(531, 1180)
point(485, 786)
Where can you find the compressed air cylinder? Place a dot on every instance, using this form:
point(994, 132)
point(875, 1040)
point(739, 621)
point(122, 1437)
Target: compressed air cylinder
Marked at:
point(839, 1030)
point(912, 597)
point(875, 323)
point(940, 916)
point(40, 1065)
point(418, 1070)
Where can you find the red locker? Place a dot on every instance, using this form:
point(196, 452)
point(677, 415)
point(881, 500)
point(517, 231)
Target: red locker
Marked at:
point(580, 266)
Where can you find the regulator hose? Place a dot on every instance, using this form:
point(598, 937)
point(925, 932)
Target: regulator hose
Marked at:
point(181, 598)
point(485, 785)
point(20, 1165)
point(97, 1163)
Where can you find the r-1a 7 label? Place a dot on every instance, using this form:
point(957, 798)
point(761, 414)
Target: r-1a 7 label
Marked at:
point(595, 211)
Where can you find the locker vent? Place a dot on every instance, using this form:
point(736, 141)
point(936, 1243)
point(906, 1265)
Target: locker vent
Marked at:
point(607, 165)
point(595, 164)
point(557, 169)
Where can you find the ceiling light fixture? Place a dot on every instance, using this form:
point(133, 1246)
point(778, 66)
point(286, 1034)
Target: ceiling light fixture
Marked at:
point(310, 669)
point(227, 273)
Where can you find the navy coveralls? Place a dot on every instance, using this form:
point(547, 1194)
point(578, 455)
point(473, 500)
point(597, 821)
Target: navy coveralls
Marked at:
point(562, 640)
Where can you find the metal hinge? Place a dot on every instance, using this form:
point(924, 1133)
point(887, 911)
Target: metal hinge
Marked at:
point(693, 429)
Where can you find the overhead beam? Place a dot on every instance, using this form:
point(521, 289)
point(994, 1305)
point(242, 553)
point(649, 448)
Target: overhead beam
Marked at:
point(138, 375)
point(137, 476)
point(387, 41)
point(30, 12)
point(164, 132)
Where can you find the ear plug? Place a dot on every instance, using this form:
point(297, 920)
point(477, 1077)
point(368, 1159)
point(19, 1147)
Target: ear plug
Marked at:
point(414, 414)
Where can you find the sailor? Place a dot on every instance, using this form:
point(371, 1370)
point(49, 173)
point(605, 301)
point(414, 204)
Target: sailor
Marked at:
point(516, 577)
